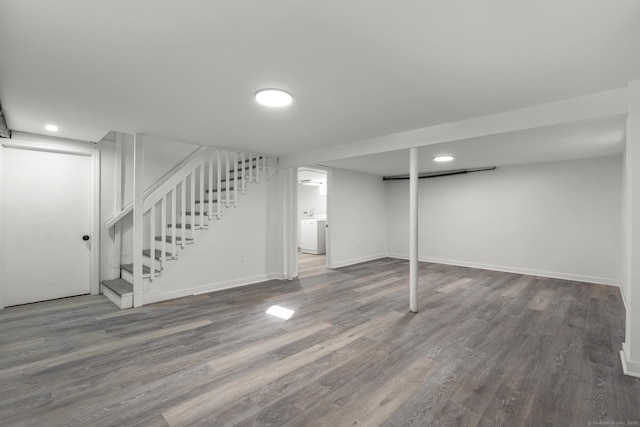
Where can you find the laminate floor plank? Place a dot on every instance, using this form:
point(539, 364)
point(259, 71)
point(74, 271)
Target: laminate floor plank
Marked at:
point(486, 348)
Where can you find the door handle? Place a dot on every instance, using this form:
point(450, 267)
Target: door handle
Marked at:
point(85, 237)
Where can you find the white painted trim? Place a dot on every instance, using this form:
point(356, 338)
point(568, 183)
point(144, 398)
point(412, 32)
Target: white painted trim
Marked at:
point(138, 211)
point(624, 296)
point(2, 269)
point(330, 215)
point(592, 106)
point(629, 367)
point(95, 225)
point(358, 260)
point(118, 199)
point(289, 190)
point(154, 296)
point(25, 141)
point(516, 270)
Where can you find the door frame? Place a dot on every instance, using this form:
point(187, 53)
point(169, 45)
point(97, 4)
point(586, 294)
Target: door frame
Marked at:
point(328, 244)
point(25, 141)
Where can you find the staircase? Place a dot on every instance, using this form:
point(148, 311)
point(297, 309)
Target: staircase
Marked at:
point(182, 204)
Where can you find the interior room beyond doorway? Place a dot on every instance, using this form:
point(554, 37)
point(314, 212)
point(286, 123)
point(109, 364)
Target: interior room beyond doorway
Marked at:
point(312, 212)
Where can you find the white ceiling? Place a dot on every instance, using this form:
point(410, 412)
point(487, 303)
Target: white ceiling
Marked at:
point(187, 70)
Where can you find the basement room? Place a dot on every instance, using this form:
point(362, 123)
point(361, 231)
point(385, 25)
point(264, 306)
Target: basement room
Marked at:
point(293, 213)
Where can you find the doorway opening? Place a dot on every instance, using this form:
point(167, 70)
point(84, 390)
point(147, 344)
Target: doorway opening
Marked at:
point(312, 220)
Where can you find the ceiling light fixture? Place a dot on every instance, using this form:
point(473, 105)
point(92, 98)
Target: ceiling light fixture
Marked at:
point(446, 158)
point(274, 97)
point(51, 128)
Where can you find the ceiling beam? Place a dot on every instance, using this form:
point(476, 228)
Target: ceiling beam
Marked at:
point(603, 104)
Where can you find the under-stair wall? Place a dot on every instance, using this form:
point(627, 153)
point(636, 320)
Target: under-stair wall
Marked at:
point(233, 251)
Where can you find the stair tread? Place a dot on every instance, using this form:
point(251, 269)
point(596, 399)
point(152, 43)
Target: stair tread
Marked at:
point(215, 190)
point(145, 269)
point(206, 201)
point(233, 179)
point(240, 169)
point(188, 226)
point(178, 239)
point(158, 253)
point(118, 286)
point(198, 213)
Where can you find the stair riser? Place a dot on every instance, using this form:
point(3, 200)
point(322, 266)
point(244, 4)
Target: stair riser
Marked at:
point(124, 301)
point(129, 277)
point(147, 261)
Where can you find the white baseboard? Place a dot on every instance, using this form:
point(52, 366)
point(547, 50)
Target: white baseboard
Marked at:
point(624, 296)
point(516, 270)
point(352, 261)
point(159, 295)
point(629, 367)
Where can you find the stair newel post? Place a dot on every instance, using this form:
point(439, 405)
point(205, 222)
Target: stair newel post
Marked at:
point(173, 222)
point(163, 232)
point(183, 209)
point(244, 175)
point(152, 242)
point(219, 184)
point(202, 198)
point(210, 210)
point(192, 192)
point(228, 169)
point(138, 223)
point(117, 228)
point(235, 179)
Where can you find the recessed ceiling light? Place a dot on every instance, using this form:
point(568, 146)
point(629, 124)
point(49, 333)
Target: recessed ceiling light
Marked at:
point(274, 97)
point(51, 128)
point(446, 158)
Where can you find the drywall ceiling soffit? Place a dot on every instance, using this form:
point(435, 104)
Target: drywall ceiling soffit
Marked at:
point(187, 70)
point(578, 140)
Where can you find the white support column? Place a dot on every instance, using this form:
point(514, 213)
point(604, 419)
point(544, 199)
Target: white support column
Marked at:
point(117, 228)
point(289, 186)
point(413, 230)
point(630, 353)
point(138, 212)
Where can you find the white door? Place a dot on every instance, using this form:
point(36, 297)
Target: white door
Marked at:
point(47, 212)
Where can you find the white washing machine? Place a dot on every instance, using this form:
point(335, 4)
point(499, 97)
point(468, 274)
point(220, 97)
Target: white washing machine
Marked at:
point(312, 236)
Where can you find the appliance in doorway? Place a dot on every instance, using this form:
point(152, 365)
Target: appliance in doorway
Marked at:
point(312, 236)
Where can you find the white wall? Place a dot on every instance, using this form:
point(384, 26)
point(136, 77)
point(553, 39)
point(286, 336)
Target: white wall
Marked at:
point(309, 197)
point(557, 219)
point(356, 217)
point(239, 249)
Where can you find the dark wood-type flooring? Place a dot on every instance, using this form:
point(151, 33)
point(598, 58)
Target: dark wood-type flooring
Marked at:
point(487, 348)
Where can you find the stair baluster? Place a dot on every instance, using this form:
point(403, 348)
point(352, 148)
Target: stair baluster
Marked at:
point(173, 223)
point(183, 197)
point(219, 184)
point(210, 207)
point(152, 242)
point(235, 179)
point(243, 174)
point(192, 192)
point(226, 183)
point(163, 232)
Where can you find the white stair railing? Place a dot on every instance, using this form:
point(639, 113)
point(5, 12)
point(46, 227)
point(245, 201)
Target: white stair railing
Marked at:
point(192, 189)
